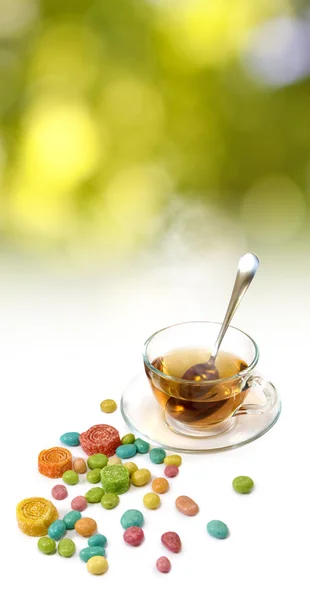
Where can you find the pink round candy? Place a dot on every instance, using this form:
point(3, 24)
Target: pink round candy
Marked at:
point(133, 536)
point(171, 470)
point(163, 564)
point(59, 492)
point(79, 503)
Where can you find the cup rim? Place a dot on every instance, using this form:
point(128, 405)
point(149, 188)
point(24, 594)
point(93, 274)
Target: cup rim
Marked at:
point(239, 375)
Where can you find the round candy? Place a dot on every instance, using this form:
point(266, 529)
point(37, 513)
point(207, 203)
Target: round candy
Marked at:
point(114, 460)
point(70, 477)
point(54, 462)
point(57, 529)
point(151, 500)
point(171, 470)
point(171, 540)
point(85, 526)
point(71, 518)
point(160, 485)
point(87, 553)
point(132, 518)
point(93, 476)
point(173, 459)
point(46, 545)
point(217, 529)
point(79, 503)
point(157, 455)
point(126, 451)
point(97, 565)
point(187, 506)
point(108, 406)
point(71, 438)
point(163, 564)
point(94, 495)
point(59, 492)
point(79, 466)
point(109, 501)
point(34, 515)
point(115, 479)
point(131, 466)
point(243, 484)
point(66, 548)
point(133, 536)
point(97, 540)
point(102, 439)
point(129, 438)
point(142, 446)
point(141, 477)
point(97, 461)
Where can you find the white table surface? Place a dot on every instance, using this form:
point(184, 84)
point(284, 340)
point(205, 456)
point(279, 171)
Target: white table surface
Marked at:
point(68, 342)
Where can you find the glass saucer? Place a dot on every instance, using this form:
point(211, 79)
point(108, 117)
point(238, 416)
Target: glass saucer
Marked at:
point(145, 418)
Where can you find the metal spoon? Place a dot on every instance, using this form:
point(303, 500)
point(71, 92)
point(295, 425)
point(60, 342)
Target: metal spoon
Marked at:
point(247, 267)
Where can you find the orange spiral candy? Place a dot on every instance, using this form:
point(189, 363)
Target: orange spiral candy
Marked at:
point(54, 462)
point(34, 516)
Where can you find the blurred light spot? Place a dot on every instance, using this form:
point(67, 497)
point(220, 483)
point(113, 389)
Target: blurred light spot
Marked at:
point(17, 15)
point(278, 52)
point(273, 210)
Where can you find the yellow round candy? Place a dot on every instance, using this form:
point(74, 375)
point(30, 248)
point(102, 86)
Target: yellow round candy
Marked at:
point(97, 565)
point(35, 515)
point(173, 459)
point(114, 460)
point(108, 406)
point(132, 467)
point(141, 477)
point(151, 500)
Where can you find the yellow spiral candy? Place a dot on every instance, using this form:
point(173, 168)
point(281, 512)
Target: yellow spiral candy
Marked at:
point(34, 516)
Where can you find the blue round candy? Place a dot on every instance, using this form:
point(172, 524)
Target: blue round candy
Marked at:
point(142, 446)
point(91, 551)
point(132, 518)
point(126, 451)
point(97, 540)
point(71, 438)
point(71, 518)
point(157, 455)
point(218, 529)
point(57, 529)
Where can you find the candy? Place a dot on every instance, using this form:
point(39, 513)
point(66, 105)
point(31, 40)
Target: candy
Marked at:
point(59, 492)
point(171, 470)
point(151, 501)
point(97, 540)
point(97, 461)
point(133, 536)
point(94, 495)
point(57, 529)
point(87, 553)
point(218, 529)
point(79, 466)
point(132, 467)
point(79, 503)
point(46, 545)
point(141, 477)
point(66, 548)
point(187, 506)
point(54, 462)
point(132, 518)
point(71, 518)
point(163, 564)
point(173, 459)
point(108, 406)
point(126, 451)
point(157, 455)
point(115, 479)
point(129, 438)
point(243, 484)
point(114, 460)
point(171, 540)
point(160, 485)
point(85, 526)
point(142, 446)
point(109, 501)
point(71, 438)
point(100, 439)
point(93, 476)
point(34, 515)
point(70, 477)
point(97, 565)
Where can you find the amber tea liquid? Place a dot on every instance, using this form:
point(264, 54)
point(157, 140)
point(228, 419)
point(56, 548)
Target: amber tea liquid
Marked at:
point(202, 406)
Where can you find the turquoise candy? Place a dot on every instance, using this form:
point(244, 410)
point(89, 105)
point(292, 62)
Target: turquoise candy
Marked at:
point(218, 529)
point(91, 551)
point(71, 438)
point(132, 518)
point(97, 540)
point(157, 455)
point(126, 451)
point(57, 529)
point(142, 446)
point(71, 518)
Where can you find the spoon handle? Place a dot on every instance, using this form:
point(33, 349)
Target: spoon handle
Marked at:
point(247, 267)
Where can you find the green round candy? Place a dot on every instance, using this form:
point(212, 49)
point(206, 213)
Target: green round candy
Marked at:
point(97, 540)
point(115, 479)
point(157, 455)
point(46, 545)
point(91, 551)
point(142, 446)
point(94, 495)
point(243, 484)
point(93, 476)
point(71, 518)
point(129, 438)
point(132, 518)
point(70, 477)
point(109, 501)
point(218, 529)
point(97, 461)
point(66, 547)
